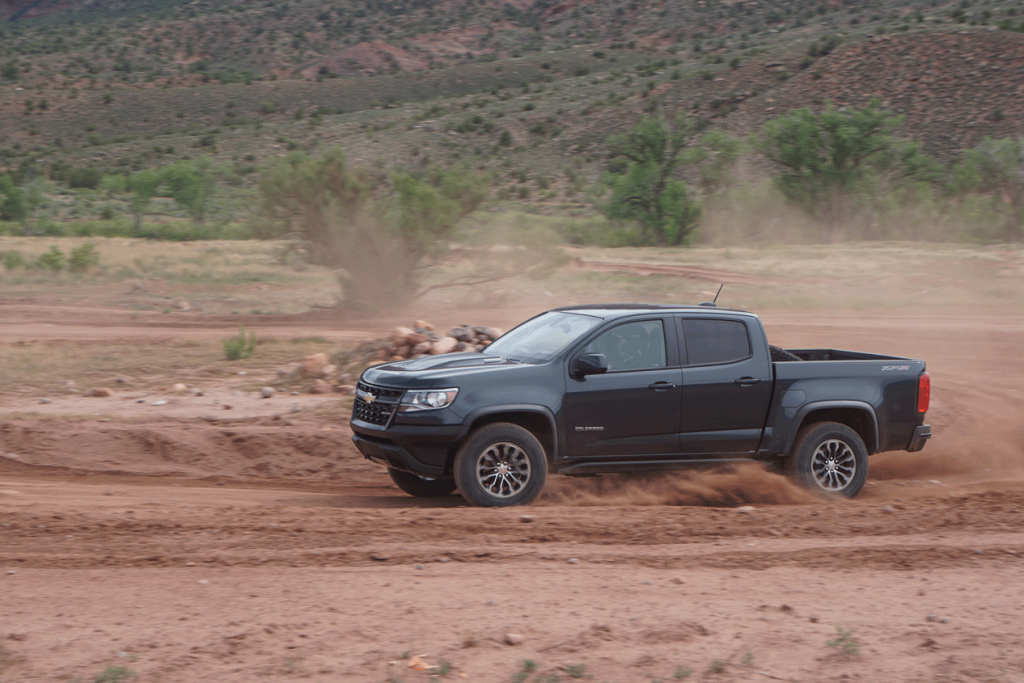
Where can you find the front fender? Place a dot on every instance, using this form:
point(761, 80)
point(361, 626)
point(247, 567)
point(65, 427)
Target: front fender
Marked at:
point(533, 409)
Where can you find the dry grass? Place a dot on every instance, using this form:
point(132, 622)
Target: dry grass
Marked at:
point(899, 278)
point(72, 367)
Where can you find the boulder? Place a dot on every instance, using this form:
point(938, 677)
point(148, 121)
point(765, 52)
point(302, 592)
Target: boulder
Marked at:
point(444, 345)
point(424, 325)
point(321, 387)
point(416, 338)
point(101, 392)
point(313, 365)
point(463, 334)
point(422, 348)
point(399, 335)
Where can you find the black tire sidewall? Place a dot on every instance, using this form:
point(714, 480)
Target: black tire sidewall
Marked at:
point(464, 467)
point(420, 487)
point(807, 442)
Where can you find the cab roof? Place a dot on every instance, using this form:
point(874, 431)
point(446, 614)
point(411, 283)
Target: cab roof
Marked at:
point(621, 310)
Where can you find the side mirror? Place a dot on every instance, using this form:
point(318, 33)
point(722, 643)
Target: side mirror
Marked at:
point(590, 364)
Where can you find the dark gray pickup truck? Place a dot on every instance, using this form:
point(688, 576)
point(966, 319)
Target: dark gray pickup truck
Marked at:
point(585, 390)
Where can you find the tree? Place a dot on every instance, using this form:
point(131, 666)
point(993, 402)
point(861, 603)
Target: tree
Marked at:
point(996, 168)
point(374, 230)
point(648, 192)
point(190, 184)
point(830, 159)
point(13, 206)
point(143, 185)
point(715, 155)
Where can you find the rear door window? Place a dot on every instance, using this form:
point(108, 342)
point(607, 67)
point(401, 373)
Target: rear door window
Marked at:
point(713, 342)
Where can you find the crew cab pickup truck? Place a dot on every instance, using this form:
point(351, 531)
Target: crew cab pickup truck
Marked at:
point(585, 390)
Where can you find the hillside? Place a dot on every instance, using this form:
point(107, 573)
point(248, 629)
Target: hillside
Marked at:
point(524, 88)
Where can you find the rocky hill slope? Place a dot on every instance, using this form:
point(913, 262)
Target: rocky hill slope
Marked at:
point(525, 87)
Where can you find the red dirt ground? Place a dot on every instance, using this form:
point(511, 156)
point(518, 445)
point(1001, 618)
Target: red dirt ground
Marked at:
point(185, 545)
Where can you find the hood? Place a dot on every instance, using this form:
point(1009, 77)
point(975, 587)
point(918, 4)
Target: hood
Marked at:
point(427, 371)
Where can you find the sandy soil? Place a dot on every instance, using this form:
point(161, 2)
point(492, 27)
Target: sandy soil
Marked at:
point(185, 542)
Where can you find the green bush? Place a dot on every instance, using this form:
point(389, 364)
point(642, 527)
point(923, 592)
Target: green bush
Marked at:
point(85, 178)
point(239, 347)
point(12, 259)
point(83, 258)
point(52, 260)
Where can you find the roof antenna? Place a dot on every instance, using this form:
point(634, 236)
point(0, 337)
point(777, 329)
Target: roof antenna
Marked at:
point(711, 304)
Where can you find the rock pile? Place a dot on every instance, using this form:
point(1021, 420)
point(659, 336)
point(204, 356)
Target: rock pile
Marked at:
point(339, 373)
point(421, 340)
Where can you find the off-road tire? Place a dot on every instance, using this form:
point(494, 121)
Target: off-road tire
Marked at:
point(500, 465)
point(421, 487)
point(829, 459)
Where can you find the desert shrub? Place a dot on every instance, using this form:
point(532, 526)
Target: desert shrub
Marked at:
point(240, 346)
point(53, 260)
point(84, 178)
point(83, 257)
point(12, 259)
point(825, 45)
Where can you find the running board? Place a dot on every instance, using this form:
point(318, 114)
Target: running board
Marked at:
point(628, 466)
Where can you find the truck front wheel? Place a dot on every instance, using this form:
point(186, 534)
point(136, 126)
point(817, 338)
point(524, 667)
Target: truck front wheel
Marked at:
point(500, 465)
point(421, 487)
point(829, 458)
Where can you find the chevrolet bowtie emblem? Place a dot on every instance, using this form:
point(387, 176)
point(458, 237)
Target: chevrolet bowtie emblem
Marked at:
point(369, 398)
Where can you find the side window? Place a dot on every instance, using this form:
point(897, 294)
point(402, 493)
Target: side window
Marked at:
point(633, 346)
point(715, 341)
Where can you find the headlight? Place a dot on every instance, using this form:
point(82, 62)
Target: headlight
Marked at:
point(427, 400)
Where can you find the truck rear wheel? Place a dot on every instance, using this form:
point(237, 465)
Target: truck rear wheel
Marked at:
point(829, 458)
point(421, 487)
point(500, 465)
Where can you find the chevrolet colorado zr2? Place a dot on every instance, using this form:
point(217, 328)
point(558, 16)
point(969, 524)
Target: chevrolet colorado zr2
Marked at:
point(585, 390)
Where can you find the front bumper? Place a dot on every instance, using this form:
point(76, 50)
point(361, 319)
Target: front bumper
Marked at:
point(921, 435)
point(422, 450)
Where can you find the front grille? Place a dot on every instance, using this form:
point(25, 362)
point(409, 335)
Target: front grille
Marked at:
point(380, 392)
point(374, 413)
point(379, 410)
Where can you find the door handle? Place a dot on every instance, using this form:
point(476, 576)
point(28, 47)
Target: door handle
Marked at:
point(747, 381)
point(661, 386)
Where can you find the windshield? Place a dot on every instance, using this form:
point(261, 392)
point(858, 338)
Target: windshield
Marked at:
point(541, 339)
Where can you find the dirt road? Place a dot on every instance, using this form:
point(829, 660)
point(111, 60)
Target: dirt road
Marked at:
point(188, 543)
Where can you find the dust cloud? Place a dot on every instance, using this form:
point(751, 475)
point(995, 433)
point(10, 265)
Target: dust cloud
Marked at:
point(743, 484)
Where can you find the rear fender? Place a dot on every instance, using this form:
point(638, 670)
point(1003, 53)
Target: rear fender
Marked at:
point(830, 410)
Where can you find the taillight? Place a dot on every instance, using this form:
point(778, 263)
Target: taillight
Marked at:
point(924, 392)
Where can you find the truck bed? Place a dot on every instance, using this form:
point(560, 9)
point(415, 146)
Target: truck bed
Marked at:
point(839, 354)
